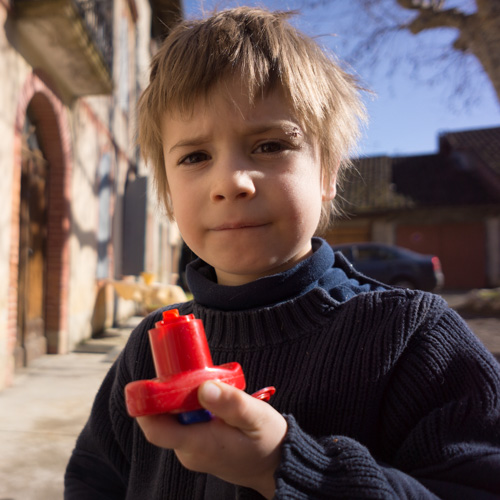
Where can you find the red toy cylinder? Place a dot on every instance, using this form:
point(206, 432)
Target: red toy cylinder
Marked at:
point(179, 346)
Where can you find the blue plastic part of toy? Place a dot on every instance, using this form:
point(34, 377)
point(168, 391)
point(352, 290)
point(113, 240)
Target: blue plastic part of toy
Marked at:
point(194, 417)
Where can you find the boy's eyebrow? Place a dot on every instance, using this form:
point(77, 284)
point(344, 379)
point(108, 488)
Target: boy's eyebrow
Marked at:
point(290, 128)
point(192, 141)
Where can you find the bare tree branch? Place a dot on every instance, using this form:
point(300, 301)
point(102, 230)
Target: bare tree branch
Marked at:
point(476, 22)
point(429, 19)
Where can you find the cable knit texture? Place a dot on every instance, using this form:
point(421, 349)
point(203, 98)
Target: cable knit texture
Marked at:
point(387, 393)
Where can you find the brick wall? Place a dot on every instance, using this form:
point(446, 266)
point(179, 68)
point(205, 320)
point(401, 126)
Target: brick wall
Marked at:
point(56, 145)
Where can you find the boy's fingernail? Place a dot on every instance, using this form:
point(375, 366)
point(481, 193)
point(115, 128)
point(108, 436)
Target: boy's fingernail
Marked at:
point(210, 392)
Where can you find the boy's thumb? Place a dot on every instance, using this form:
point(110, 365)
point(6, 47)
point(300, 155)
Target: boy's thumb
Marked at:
point(235, 407)
point(209, 393)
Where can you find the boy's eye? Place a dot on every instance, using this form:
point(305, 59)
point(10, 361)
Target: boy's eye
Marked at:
point(270, 147)
point(193, 158)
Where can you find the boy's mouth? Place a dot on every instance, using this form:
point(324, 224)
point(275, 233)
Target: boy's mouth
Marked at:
point(238, 225)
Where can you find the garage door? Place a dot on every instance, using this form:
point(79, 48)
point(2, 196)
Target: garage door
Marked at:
point(460, 247)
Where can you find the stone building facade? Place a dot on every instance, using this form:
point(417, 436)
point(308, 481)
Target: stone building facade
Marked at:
point(72, 72)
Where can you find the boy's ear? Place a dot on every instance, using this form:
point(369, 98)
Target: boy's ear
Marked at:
point(329, 188)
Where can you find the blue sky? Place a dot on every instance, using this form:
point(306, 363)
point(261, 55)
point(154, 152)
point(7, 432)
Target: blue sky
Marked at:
point(407, 115)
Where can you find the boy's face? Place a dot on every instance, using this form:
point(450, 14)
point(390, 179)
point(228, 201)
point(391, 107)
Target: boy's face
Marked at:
point(245, 183)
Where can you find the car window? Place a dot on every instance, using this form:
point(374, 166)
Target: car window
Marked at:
point(374, 253)
point(368, 253)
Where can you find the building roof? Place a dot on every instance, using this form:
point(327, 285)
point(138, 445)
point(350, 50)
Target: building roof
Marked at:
point(383, 183)
point(484, 143)
point(437, 180)
point(368, 187)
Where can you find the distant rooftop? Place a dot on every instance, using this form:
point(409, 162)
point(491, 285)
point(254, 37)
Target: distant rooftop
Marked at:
point(448, 178)
point(484, 142)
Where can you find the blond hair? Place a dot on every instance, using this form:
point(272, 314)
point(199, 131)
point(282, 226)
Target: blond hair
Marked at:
point(265, 51)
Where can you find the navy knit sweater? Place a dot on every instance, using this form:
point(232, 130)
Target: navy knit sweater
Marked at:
point(386, 392)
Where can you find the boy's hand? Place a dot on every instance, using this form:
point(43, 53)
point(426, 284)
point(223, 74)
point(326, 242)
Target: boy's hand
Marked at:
point(240, 445)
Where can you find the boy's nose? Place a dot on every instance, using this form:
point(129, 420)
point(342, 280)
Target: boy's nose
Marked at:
point(232, 184)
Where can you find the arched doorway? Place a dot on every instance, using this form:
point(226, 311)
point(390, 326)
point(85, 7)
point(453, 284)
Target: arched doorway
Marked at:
point(31, 341)
point(41, 204)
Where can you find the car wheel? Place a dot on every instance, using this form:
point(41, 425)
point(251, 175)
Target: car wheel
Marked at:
point(402, 283)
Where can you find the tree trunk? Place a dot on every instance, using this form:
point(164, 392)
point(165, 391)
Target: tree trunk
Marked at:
point(479, 33)
point(481, 37)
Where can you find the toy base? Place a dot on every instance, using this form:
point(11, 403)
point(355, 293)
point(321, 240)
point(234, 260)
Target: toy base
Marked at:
point(178, 393)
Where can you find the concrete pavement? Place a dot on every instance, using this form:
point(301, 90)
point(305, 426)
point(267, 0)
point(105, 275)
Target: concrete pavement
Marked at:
point(486, 327)
point(42, 414)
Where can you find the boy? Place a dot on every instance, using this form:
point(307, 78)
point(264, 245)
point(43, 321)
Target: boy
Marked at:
point(381, 392)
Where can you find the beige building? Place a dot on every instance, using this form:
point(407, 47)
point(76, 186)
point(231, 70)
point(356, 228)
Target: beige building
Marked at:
point(76, 209)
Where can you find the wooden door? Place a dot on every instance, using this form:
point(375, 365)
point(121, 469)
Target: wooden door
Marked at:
point(31, 341)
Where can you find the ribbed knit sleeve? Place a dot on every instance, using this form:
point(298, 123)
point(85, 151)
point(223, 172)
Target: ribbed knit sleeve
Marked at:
point(337, 467)
point(436, 432)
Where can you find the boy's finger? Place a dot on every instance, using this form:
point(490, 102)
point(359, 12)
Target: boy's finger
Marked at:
point(161, 430)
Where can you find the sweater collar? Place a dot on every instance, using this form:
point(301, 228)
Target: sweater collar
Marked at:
point(265, 291)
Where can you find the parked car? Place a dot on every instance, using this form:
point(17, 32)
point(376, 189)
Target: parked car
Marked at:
point(394, 265)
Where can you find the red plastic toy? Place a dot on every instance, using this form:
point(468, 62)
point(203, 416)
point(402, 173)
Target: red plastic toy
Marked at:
point(183, 362)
